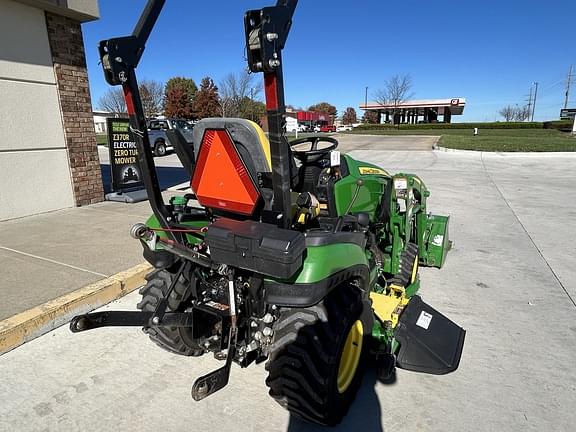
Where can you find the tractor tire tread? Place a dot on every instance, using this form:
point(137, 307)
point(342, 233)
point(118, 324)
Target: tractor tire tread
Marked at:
point(167, 338)
point(305, 353)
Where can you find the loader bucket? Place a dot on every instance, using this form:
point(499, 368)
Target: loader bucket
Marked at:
point(437, 244)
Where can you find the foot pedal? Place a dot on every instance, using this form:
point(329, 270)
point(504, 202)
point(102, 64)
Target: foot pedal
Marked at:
point(429, 342)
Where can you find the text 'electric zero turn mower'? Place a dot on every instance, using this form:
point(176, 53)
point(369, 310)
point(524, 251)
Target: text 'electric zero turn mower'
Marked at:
point(298, 256)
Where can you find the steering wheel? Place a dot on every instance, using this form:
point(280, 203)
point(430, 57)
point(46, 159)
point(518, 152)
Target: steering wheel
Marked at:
point(313, 152)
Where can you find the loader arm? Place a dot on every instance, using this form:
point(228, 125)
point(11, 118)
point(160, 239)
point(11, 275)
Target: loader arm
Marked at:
point(266, 33)
point(119, 58)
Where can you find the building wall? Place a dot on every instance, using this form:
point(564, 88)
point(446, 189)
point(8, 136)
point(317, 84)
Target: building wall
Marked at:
point(67, 47)
point(34, 170)
point(48, 152)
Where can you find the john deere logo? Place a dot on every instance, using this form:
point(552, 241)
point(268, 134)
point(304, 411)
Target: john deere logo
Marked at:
point(371, 170)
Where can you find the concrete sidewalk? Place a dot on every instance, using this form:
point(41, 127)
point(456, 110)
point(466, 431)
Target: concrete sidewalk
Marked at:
point(52, 254)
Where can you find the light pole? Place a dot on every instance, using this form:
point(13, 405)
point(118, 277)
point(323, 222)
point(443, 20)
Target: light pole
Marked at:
point(535, 96)
point(252, 103)
point(366, 99)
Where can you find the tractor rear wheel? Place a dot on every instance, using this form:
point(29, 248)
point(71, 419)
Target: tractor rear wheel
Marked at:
point(177, 340)
point(315, 365)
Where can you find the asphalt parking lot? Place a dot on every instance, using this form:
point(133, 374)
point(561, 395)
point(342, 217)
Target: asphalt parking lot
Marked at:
point(510, 281)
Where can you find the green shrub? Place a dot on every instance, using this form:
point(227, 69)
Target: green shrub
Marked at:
point(424, 126)
point(102, 139)
point(562, 125)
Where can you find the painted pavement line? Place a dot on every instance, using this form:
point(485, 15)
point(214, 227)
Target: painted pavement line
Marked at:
point(53, 261)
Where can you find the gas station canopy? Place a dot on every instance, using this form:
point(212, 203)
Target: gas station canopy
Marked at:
point(410, 111)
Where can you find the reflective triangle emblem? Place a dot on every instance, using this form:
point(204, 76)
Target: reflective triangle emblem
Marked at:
point(220, 178)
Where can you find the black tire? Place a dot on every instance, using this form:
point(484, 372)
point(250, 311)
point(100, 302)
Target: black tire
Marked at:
point(408, 271)
point(307, 347)
point(159, 148)
point(177, 340)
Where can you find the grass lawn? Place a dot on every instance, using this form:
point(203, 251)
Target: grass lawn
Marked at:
point(504, 140)
point(102, 139)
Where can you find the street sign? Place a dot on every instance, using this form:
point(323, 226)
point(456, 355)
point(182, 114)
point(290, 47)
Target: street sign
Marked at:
point(568, 114)
point(126, 173)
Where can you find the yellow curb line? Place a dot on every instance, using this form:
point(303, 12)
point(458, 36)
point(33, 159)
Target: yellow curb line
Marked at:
point(30, 324)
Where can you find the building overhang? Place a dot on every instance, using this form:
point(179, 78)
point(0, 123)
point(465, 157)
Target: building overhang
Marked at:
point(80, 10)
point(454, 105)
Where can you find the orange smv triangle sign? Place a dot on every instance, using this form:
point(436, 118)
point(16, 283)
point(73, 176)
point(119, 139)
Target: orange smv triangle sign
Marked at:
point(221, 179)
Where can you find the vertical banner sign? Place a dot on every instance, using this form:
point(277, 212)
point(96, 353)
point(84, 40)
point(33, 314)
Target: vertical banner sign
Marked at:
point(126, 173)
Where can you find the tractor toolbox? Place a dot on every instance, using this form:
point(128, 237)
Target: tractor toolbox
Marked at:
point(256, 246)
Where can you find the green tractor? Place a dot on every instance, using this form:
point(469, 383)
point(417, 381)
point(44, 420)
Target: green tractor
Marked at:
point(286, 252)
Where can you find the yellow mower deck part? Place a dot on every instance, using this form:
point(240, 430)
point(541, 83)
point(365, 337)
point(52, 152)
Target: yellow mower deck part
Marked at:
point(388, 307)
point(350, 356)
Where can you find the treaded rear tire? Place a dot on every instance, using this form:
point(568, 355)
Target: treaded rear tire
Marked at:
point(305, 357)
point(177, 340)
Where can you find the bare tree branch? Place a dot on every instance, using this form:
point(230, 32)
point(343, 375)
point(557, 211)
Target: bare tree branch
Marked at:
point(152, 95)
point(235, 91)
point(522, 113)
point(395, 92)
point(508, 112)
point(112, 101)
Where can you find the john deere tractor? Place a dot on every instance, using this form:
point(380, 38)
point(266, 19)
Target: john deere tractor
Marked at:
point(286, 252)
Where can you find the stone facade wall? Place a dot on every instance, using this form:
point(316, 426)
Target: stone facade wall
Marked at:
point(67, 48)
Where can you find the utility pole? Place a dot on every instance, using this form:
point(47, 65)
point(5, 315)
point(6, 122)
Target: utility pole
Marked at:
point(529, 104)
point(568, 84)
point(535, 96)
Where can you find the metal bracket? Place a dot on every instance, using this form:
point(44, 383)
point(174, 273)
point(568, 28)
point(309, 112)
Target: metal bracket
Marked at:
point(94, 320)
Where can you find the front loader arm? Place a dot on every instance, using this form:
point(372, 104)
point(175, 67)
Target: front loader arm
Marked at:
point(266, 33)
point(120, 57)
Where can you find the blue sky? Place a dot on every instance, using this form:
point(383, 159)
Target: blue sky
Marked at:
point(487, 51)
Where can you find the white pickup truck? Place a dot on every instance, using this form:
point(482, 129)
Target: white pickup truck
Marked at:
point(157, 133)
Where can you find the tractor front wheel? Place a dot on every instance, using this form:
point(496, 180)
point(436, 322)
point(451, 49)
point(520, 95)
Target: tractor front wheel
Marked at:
point(177, 340)
point(315, 365)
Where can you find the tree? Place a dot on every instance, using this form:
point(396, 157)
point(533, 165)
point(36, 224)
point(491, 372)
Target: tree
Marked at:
point(370, 117)
point(522, 113)
point(252, 109)
point(349, 116)
point(206, 101)
point(323, 107)
point(396, 91)
point(508, 112)
point(179, 96)
point(237, 94)
point(152, 95)
point(112, 101)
